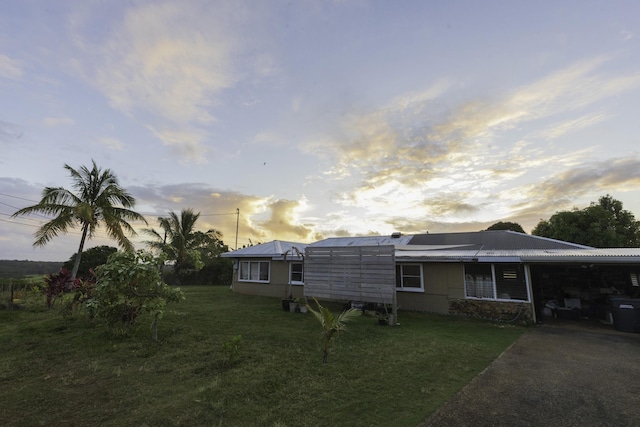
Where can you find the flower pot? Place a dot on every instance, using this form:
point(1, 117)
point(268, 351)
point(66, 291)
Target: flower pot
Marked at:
point(293, 306)
point(392, 320)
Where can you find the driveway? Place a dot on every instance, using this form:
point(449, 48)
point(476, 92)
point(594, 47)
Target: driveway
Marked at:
point(554, 375)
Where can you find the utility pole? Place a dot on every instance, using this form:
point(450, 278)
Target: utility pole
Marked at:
point(237, 222)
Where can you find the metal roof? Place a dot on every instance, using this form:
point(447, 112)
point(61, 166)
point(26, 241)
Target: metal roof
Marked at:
point(364, 241)
point(275, 249)
point(601, 256)
point(482, 246)
point(493, 239)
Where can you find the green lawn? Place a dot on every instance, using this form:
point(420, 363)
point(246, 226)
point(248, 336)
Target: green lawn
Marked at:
point(73, 372)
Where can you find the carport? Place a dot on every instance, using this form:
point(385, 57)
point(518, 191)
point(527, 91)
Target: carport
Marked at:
point(585, 285)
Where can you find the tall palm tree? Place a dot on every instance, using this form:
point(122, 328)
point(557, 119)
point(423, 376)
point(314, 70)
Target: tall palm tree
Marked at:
point(98, 199)
point(178, 239)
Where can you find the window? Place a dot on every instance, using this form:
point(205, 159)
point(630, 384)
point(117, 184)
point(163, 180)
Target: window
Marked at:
point(510, 282)
point(635, 279)
point(478, 281)
point(499, 281)
point(409, 277)
point(296, 273)
point(254, 271)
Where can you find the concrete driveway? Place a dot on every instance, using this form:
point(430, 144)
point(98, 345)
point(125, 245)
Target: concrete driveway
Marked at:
point(554, 375)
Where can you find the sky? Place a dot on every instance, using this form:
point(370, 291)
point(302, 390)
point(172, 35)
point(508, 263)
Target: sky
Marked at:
point(317, 119)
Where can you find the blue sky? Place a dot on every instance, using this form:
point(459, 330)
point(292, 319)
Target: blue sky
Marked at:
point(321, 118)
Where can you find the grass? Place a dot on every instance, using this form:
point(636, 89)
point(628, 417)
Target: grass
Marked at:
point(232, 360)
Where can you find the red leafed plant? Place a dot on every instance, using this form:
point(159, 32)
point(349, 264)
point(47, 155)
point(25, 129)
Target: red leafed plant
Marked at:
point(55, 285)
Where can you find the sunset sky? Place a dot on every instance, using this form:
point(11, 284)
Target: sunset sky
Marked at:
point(320, 118)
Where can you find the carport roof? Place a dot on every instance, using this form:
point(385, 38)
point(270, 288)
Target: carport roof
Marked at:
point(600, 256)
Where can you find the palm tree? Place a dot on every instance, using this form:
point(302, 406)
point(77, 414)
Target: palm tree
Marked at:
point(178, 240)
point(98, 199)
point(331, 324)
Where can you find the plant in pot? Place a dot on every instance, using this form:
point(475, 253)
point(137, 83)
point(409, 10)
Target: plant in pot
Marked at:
point(383, 318)
point(382, 312)
point(386, 314)
point(302, 304)
point(293, 305)
point(287, 302)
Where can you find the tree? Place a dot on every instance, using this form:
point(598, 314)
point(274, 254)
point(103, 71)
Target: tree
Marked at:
point(331, 325)
point(179, 240)
point(602, 225)
point(91, 258)
point(128, 285)
point(506, 225)
point(216, 270)
point(98, 199)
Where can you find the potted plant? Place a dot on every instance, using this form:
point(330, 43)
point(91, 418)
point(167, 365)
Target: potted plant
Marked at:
point(382, 313)
point(286, 303)
point(293, 305)
point(383, 318)
point(385, 314)
point(302, 304)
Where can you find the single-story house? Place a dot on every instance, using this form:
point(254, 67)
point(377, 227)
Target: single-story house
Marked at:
point(493, 274)
point(269, 269)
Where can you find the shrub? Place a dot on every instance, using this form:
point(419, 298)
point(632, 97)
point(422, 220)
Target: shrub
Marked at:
point(128, 285)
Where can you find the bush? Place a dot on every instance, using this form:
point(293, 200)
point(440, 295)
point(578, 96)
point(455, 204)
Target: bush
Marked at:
point(128, 285)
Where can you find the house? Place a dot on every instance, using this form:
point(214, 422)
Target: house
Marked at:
point(492, 274)
point(269, 269)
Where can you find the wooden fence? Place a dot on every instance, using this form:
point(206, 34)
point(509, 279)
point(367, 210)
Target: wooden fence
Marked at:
point(352, 273)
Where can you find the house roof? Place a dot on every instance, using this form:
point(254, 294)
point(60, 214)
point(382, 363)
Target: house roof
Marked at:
point(489, 240)
point(394, 239)
point(493, 240)
point(276, 249)
point(481, 246)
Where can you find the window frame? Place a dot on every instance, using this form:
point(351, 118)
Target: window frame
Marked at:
point(494, 285)
point(296, 282)
point(249, 263)
point(401, 275)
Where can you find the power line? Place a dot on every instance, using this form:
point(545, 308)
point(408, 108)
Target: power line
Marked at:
point(141, 213)
point(18, 223)
point(16, 197)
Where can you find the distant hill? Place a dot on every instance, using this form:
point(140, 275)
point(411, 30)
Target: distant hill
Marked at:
point(17, 269)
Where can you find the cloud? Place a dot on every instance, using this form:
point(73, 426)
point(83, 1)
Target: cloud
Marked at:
point(559, 129)
point(9, 132)
point(619, 174)
point(185, 143)
point(163, 63)
point(284, 221)
point(163, 59)
point(626, 35)
point(268, 139)
point(10, 68)
point(112, 143)
point(460, 163)
point(260, 219)
point(57, 121)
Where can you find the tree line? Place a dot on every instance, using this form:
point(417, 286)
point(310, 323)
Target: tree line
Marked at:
point(602, 224)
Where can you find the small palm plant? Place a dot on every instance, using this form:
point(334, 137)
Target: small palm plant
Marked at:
point(331, 324)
